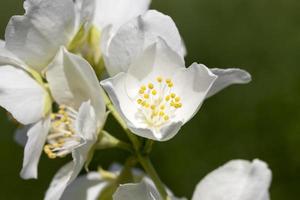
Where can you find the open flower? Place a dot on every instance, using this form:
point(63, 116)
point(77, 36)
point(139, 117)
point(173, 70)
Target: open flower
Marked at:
point(132, 38)
point(236, 180)
point(80, 116)
point(157, 95)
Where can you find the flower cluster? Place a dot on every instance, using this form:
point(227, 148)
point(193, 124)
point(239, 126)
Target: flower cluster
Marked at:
point(65, 65)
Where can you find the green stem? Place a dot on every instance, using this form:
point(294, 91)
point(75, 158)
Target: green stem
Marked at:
point(147, 165)
point(108, 141)
point(148, 146)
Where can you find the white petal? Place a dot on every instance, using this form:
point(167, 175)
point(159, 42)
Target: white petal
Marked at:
point(23, 97)
point(67, 174)
point(73, 81)
point(8, 58)
point(165, 133)
point(192, 85)
point(139, 191)
point(157, 60)
point(2, 44)
point(36, 36)
point(34, 147)
point(115, 87)
point(227, 77)
point(86, 187)
point(236, 180)
point(86, 123)
point(60, 182)
point(21, 135)
point(145, 190)
point(115, 12)
point(135, 36)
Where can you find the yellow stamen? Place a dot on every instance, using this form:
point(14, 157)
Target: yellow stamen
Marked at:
point(159, 79)
point(154, 92)
point(150, 86)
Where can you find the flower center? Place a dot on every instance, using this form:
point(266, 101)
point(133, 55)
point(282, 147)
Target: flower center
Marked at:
point(157, 103)
point(62, 138)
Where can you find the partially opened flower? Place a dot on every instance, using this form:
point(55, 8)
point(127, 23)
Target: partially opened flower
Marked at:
point(236, 180)
point(157, 95)
point(74, 127)
point(81, 115)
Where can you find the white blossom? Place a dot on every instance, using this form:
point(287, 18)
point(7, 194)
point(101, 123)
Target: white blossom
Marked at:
point(158, 94)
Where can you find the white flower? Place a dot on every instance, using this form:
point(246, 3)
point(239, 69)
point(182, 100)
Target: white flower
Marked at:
point(236, 180)
point(158, 94)
point(36, 36)
point(74, 128)
point(132, 38)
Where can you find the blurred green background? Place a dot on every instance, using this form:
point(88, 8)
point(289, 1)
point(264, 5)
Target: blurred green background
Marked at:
point(258, 120)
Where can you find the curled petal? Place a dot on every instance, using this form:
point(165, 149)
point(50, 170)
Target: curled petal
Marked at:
point(227, 77)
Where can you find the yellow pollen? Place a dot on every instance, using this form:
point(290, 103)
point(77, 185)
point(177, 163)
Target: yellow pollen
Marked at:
point(177, 99)
point(62, 107)
point(172, 104)
point(53, 116)
point(150, 86)
point(166, 117)
point(157, 101)
point(178, 105)
point(159, 79)
point(51, 155)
